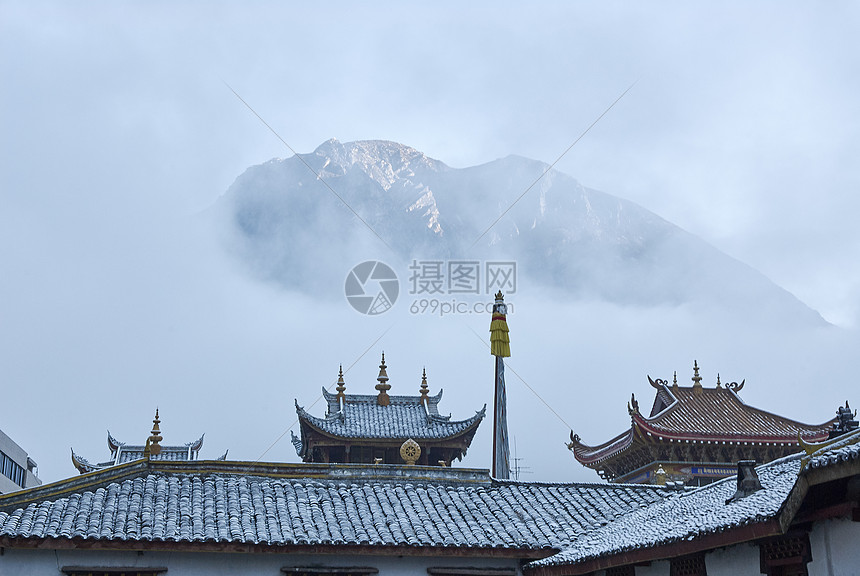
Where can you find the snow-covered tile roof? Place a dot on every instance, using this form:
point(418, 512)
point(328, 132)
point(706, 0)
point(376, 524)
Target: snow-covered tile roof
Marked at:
point(846, 448)
point(238, 503)
point(404, 417)
point(687, 515)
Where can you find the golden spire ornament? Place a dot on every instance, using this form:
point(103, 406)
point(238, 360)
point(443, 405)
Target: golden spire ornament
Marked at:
point(383, 399)
point(341, 385)
point(425, 390)
point(153, 441)
point(697, 380)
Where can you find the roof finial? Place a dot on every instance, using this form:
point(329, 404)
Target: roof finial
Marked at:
point(675, 380)
point(500, 340)
point(341, 385)
point(383, 399)
point(153, 441)
point(425, 390)
point(697, 380)
point(633, 405)
point(718, 381)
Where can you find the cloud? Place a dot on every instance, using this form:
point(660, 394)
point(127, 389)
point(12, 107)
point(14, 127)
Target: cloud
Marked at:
point(117, 129)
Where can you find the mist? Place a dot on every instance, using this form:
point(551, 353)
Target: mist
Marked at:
point(118, 136)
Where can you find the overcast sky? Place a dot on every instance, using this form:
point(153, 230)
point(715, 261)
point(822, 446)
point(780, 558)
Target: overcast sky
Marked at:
point(117, 130)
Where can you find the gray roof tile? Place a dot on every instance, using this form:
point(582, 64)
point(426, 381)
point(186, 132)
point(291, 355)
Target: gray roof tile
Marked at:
point(163, 503)
point(845, 448)
point(405, 417)
point(691, 514)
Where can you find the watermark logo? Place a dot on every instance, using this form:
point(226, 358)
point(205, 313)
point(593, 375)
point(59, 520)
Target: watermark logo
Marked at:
point(439, 287)
point(372, 287)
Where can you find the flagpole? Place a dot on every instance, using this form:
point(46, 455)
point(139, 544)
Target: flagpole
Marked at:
point(495, 415)
point(500, 348)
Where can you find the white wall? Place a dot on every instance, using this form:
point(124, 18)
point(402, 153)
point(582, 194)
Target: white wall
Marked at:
point(835, 548)
point(660, 568)
point(20, 562)
point(733, 561)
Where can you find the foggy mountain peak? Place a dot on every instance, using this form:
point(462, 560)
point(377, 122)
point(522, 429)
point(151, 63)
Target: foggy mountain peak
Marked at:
point(586, 244)
point(383, 161)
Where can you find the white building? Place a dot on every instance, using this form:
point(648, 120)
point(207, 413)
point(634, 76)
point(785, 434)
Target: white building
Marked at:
point(17, 470)
point(798, 515)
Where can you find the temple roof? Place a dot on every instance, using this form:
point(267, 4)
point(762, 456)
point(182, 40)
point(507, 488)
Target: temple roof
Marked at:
point(383, 418)
point(120, 452)
point(701, 415)
point(205, 505)
point(719, 413)
point(404, 417)
point(278, 506)
point(691, 516)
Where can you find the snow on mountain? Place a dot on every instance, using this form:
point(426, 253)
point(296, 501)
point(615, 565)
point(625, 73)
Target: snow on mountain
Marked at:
point(291, 229)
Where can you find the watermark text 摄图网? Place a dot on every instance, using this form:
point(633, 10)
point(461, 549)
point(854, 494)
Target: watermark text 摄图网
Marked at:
point(462, 277)
point(447, 307)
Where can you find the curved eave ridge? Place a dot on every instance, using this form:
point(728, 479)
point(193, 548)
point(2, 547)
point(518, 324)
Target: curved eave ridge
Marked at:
point(113, 443)
point(592, 455)
point(395, 421)
point(844, 449)
point(297, 444)
point(82, 464)
point(196, 445)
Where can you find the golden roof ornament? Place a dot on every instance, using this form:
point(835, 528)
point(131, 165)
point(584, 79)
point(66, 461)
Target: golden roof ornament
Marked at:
point(425, 390)
point(383, 399)
point(410, 451)
point(660, 475)
point(153, 441)
point(697, 380)
point(500, 340)
point(341, 385)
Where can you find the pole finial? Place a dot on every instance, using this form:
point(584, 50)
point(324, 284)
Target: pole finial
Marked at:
point(500, 341)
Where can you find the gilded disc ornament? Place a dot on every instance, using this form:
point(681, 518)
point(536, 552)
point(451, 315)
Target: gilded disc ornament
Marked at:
point(410, 451)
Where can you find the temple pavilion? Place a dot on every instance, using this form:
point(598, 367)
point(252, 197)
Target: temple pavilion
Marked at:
point(694, 435)
point(383, 429)
point(120, 452)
